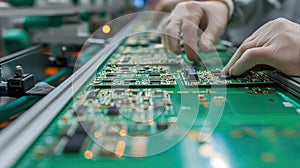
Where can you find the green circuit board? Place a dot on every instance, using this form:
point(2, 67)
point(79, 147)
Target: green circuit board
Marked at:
point(142, 92)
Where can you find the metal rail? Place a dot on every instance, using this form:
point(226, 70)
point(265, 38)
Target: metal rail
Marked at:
point(18, 137)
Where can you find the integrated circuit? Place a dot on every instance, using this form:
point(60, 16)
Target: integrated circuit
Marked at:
point(75, 142)
point(135, 76)
point(131, 56)
point(81, 110)
point(192, 77)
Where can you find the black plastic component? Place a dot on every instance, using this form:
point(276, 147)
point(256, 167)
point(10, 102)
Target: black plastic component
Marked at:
point(154, 74)
point(156, 40)
point(119, 90)
point(75, 142)
point(113, 111)
point(80, 111)
point(129, 80)
point(110, 74)
point(226, 77)
point(155, 81)
point(84, 128)
point(188, 71)
point(126, 60)
point(105, 80)
point(191, 74)
point(92, 95)
point(125, 68)
point(158, 92)
point(17, 86)
point(162, 125)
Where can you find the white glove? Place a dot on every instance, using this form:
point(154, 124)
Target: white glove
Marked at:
point(276, 44)
point(167, 5)
point(212, 16)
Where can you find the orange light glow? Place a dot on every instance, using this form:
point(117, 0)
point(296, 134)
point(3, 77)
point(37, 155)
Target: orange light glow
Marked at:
point(51, 70)
point(151, 122)
point(122, 132)
point(106, 29)
point(97, 134)
point(119, 152)
point(88, 154)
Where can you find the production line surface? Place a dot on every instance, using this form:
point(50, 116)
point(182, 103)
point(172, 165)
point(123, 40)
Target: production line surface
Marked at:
point(146, 107)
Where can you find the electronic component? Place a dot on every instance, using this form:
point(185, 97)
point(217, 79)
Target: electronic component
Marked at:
point(143, 56)
point(112, 111)
point(192, 78)
point(20, 83)
point(81, 110)
point(84, 127)
point(92, 95)
point(133, 76)
point(74, 143)
point(162, 125)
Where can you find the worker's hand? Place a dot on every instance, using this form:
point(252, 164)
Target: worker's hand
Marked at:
point(276, 44)
point(187, 17)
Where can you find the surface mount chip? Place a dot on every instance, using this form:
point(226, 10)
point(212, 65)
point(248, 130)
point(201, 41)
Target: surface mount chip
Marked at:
point(192, 78)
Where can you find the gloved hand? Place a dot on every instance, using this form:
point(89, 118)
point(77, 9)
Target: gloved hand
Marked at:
point(212, 16)
point(276, 44)
point(167, 5)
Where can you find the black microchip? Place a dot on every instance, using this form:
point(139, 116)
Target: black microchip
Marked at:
point(126, 60)
point(110, 74)
point(154, 74)
point(193, 76)
point(74, 143)
point(113, 111)
point(119, 90)
point(146, 67)
point(124, 68)
point(129, 80)
point(225, 77)
point(105, 80)
point(155, 81)
point(92, 95)
point(143, 93)
point(156, 40)
point(188, 71)
point(158, 92)
point(80, 111)
point(84, 128)
point(141, 69)
point(135, 92)
point(162, 125)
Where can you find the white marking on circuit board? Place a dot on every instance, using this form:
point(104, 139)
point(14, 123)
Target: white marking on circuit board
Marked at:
point(287, 104)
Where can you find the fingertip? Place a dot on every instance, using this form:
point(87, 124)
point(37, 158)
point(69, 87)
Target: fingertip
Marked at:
point(230, 72)
point(192, 54)
point(234, 71)
point(224, 71)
